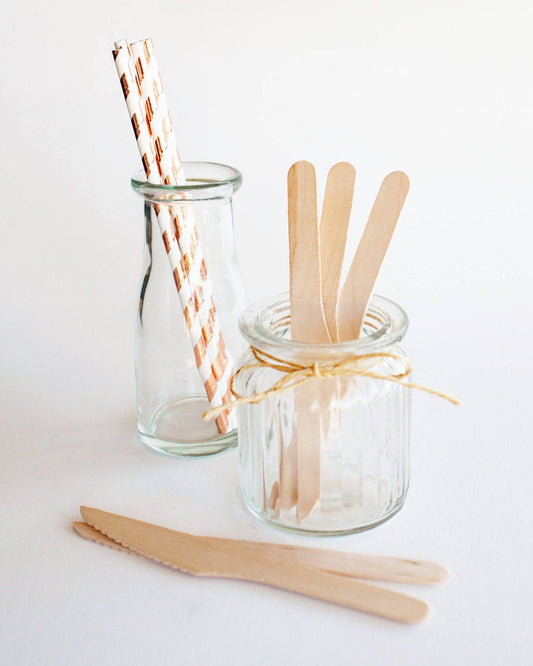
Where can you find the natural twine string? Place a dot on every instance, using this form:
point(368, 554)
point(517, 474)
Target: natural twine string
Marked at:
point(296, 374)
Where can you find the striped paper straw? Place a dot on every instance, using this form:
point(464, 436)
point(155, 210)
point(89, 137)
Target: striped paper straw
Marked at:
point(212, 360)
point(211, 349)
point(153, 101)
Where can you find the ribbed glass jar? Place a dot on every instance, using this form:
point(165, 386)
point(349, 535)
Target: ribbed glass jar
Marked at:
point(171, 392)
point(332, 456)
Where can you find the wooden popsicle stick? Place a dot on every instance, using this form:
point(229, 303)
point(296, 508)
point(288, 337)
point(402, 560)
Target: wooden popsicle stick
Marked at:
point(303, 580)
point(308, 324)
point(370, 253)
point(334, 223)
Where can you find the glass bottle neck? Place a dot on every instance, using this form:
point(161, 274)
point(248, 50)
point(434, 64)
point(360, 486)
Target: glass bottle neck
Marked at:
point(205, 182)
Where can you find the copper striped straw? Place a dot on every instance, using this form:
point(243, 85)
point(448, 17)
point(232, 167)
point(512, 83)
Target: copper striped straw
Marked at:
point(153, 130)
point(153, 101)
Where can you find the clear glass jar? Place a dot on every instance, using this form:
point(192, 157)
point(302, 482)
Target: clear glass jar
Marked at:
point(332, 456)
point(171, 397)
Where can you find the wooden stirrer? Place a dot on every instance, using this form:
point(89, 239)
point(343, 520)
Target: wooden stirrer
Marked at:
point(370, 253)
point(333, 232)
point(334, 224)
point(308, 324)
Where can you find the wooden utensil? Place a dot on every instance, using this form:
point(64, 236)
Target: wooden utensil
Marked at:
point(206, 556)
point(322, 313)
point(334, 223)
point(313, 583)
point(370, 253)
point(308, 324)
point(351, 565)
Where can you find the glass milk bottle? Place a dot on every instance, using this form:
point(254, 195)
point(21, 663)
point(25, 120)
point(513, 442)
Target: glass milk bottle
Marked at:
point(179, 356)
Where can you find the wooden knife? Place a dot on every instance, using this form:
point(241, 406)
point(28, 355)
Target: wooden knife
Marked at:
point(326, 575)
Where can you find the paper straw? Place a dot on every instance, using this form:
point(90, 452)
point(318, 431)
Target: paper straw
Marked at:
point(153, 101)
point(214, 368)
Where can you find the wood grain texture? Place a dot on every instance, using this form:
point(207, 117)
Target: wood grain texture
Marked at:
point(334, 224)
point(370, 253)
point(167, 547)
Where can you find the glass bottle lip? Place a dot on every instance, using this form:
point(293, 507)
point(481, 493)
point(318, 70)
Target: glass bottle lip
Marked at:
point(264, 322)
point(204, 181)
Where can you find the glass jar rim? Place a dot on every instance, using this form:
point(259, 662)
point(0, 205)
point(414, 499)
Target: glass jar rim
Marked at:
point(392, 319)
point(215, 177)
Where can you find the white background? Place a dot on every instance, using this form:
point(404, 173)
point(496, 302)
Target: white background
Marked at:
point(439, 89)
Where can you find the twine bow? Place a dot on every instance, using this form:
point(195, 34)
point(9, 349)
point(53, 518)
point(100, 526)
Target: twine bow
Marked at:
point(296, 374)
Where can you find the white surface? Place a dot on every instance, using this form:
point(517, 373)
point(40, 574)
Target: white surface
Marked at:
point(438, 89)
